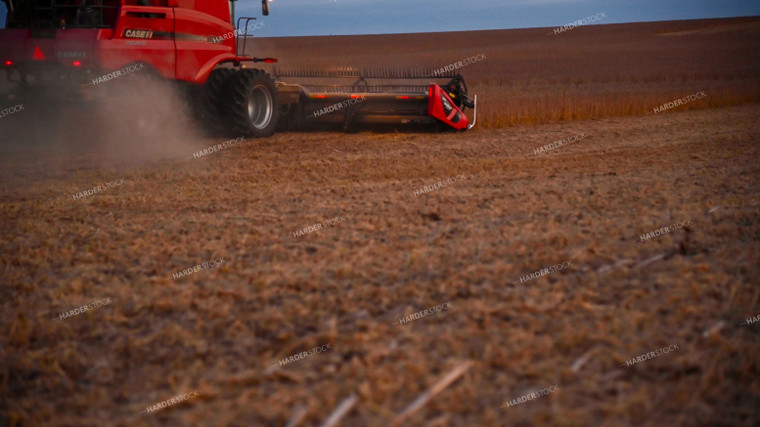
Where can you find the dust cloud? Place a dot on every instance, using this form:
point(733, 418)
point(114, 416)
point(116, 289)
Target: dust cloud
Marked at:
point(122, 123)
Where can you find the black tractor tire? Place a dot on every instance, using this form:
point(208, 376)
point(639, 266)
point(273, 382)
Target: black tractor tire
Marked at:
point(251, 103)
point(208, 104)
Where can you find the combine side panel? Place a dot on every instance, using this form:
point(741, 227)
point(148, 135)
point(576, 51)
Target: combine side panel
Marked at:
point(142, 34)
point(203, 41)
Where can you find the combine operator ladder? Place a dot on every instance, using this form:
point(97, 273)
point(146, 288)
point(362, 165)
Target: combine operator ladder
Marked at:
point(369, 96)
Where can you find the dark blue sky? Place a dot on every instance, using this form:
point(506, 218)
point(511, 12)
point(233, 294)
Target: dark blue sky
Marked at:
point(326, 17)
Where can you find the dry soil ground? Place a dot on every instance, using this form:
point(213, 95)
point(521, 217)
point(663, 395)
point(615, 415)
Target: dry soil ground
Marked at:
point(511, 212)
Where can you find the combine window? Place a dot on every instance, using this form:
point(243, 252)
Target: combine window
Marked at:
point(40, 14)
point(3, 15)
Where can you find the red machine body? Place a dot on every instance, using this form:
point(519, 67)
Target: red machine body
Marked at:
point(180, 39)
point(443, 108)
point(71, 43)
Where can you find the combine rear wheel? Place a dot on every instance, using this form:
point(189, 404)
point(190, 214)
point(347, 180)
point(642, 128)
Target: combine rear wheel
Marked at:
point(251, 103)
point(207, 104)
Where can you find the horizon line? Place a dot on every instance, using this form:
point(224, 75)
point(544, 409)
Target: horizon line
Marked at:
point(509, 29)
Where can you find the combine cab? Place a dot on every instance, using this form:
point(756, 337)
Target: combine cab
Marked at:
point(79, 43)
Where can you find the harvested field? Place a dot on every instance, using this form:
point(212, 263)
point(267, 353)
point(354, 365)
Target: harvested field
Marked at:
point(535, 76)
point(397, 247)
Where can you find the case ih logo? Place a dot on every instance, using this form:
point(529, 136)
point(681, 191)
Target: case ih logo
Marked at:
point(72, 54)
point(138, 34)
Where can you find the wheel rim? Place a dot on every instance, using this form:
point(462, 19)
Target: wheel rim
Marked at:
point(260, 107)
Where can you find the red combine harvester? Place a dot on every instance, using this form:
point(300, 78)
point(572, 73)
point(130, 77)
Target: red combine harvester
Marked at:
point(194, 43)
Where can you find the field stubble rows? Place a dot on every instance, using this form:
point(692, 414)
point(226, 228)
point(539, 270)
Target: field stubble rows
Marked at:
point(220, 331)
point(588, 72)
point(395, 252)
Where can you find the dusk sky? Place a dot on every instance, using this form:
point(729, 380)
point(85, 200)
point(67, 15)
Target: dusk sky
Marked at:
point(334, 17)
